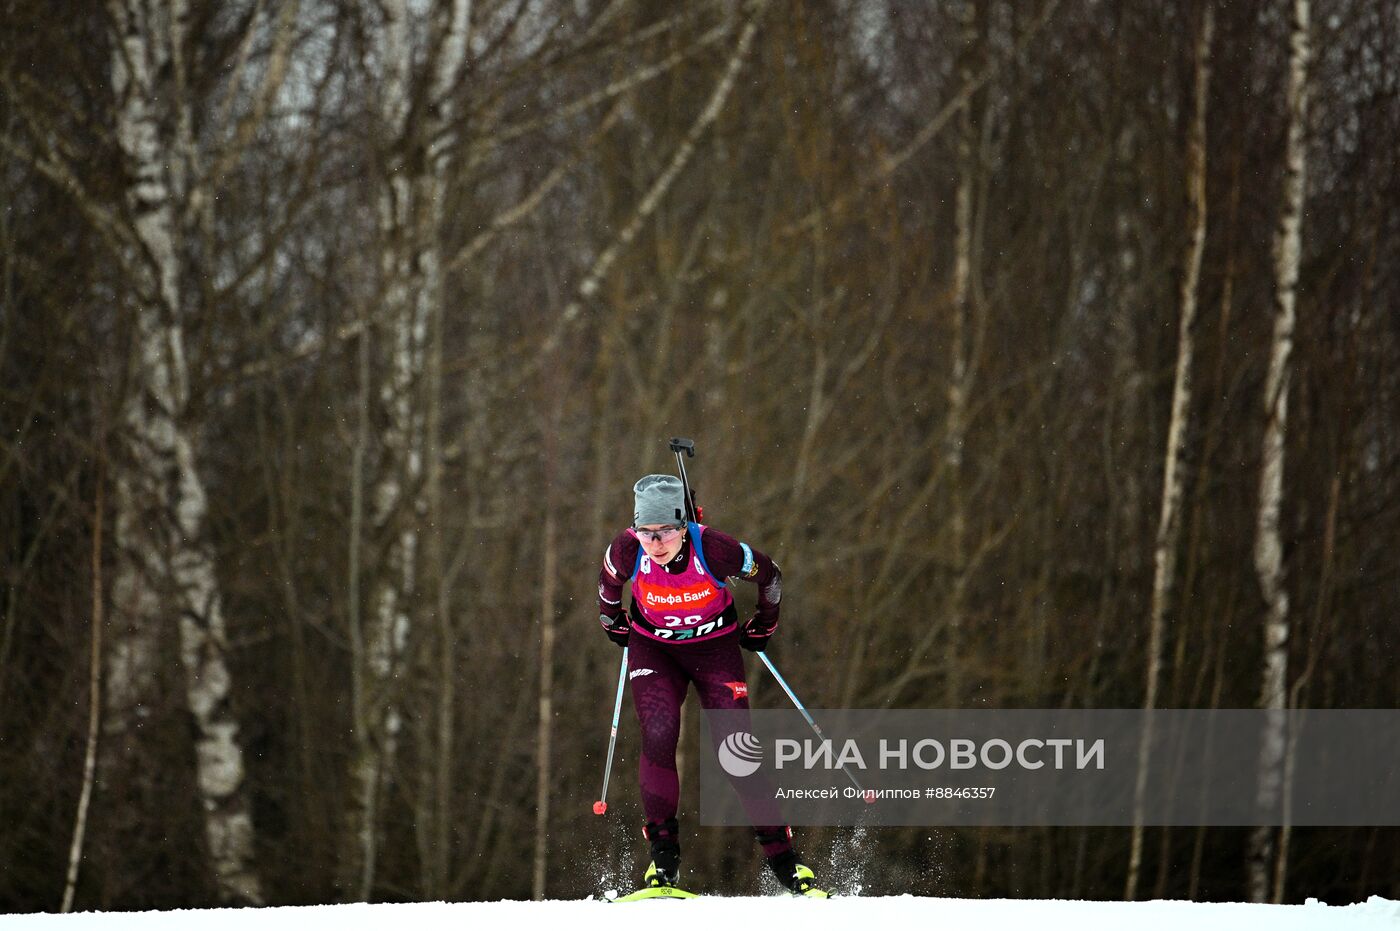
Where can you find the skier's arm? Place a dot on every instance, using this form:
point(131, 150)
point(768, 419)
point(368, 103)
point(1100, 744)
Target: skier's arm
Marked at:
point(728, 558)
point(618, 560)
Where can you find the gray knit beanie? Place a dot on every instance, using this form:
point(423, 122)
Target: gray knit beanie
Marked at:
point(660, 500)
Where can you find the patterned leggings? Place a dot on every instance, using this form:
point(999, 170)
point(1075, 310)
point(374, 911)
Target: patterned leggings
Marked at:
point(660, 675)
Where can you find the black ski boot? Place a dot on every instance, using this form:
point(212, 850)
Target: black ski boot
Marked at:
point(796, 878)
point(665, 866)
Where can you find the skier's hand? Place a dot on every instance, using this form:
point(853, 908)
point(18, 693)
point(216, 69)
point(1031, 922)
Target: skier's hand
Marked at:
point(617, 628)
point(754, 636)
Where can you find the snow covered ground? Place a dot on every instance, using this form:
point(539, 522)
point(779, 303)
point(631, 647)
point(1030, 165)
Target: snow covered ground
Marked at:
point(711, 913)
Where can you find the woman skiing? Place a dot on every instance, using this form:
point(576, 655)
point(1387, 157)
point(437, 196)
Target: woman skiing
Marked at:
point(683, 629)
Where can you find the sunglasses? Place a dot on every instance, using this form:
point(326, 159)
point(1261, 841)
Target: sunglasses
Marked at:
point(660, 536)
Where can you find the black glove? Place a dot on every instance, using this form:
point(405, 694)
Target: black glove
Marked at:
point(617, 628)
point(754, 636)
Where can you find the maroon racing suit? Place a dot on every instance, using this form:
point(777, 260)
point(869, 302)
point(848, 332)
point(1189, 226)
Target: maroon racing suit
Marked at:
point(684, 630)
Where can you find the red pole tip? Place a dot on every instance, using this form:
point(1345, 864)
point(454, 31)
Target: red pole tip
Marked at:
point(599, 807)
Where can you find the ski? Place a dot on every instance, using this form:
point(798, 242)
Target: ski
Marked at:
point(655, 892)
point(671, 892)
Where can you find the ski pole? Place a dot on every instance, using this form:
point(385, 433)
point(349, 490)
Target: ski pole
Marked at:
point(601, 805)
point(680, 444)
point(868, 796)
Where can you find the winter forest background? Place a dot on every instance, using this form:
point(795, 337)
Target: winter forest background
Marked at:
point(333, 336)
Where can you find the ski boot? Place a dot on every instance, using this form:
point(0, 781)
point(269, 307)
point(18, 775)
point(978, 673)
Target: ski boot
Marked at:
point(665, 866)
point(796, 878)
point(659, 882)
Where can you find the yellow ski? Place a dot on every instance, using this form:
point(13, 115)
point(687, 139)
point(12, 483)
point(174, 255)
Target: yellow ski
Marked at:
point(655, 892)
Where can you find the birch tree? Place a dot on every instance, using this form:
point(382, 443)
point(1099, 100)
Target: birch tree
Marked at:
point(415, 126)
point(1169, 522)
point(1268, 542)
point(164, 566)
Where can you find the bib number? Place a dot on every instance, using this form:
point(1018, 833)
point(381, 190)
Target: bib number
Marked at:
point(669, 632)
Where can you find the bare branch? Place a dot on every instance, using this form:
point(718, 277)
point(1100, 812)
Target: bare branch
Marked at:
point(594, 279)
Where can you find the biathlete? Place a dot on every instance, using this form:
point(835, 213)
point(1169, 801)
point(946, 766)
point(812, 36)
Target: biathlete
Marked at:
point(682, 628)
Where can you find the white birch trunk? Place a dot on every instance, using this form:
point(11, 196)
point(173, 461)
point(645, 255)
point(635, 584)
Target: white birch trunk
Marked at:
point(1268, 545)
point(75, 849)
point(163, 565)
point(410, 216)
point(1169, 522)
point(435, 815)
point(386, 625)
